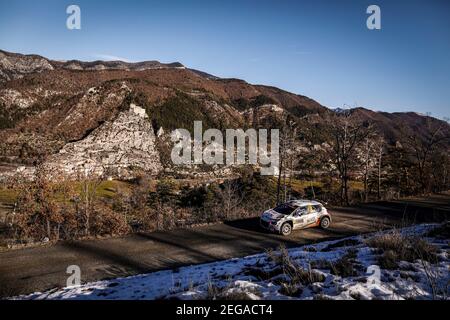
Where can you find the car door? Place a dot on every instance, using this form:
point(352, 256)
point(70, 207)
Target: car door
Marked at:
point(298, 217)
point(311, 215)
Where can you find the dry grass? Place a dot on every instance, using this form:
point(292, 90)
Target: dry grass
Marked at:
point(395, 247)
point(262, 274)
point(106, 189)
point(290, 289)
point(346, 266)
point(215, 292)
point(295, 276)
point(393, 240)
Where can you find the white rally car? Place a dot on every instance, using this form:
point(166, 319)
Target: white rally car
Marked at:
point(295, 214)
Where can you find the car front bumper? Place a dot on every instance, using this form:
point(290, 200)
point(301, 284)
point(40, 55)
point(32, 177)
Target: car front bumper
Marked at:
point(269, 225)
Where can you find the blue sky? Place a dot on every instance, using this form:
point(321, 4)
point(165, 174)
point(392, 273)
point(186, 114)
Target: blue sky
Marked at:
point(321, 49)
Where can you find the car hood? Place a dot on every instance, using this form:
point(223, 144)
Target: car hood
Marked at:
point(272, 215)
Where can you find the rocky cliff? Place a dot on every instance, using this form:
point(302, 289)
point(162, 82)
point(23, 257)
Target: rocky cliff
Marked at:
point(116, 149)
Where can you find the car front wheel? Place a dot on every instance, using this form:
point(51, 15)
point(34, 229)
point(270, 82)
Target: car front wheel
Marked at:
point(286, 229)
point(325, 223)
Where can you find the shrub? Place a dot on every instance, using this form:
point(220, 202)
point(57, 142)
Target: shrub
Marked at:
point(105, 221)
point(261, 273)
point(55, 210)
point(165, 190)
point(39, 212)
point(388, 241)
point(290, 289)
point(295, 275)
point(396, 247)
point(346, 266)
point(388, 260)
point(228, 292)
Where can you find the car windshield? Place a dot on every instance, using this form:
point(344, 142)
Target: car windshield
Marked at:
point(285, 208)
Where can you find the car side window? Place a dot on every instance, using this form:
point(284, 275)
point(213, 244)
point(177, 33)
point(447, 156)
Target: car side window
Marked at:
point(300, 211)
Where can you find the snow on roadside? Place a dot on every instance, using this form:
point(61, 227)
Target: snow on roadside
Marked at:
point(259, 277)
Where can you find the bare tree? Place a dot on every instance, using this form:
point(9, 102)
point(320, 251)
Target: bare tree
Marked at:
point(422, 145)
point(372, 156)
point(348, 133)
point(310, 161)
point(287, 155)
point(231, 198)
point(380, 147)
point(90, 180)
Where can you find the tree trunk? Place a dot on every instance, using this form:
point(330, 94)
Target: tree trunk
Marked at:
point(345, 185)
point(379, 173)
point(312, 189)
point(366, 172)
point(279, 180)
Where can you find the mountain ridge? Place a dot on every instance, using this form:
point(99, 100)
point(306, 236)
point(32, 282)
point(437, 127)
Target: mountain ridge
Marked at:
point(99, 65)
point(44, 107)
point(42, 64)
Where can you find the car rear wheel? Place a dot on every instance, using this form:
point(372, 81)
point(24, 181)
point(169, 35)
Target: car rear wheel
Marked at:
point(286, 229)
point(325, 223)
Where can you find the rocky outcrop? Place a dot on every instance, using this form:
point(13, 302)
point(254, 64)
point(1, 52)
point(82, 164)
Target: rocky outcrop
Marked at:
point(115, 149)
point(262, 113)
point(14, 66)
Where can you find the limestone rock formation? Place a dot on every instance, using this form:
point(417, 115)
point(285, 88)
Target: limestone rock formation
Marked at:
point(116, 148)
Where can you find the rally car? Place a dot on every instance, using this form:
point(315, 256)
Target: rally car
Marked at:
point(295, 214)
